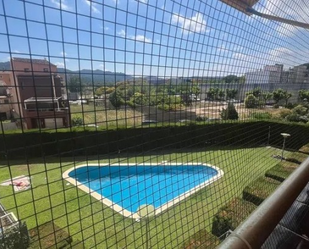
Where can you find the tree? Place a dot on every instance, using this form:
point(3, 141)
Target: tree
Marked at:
point(278, 95)
point(230, 78)
point(74, 84)
point(195, 90)
point(116, 98)
point(266, 96)
point(221, 94)
point(104, 90)
point(303, 95)
point(231, 93)
point(213, 93)
point(256, 92)
point(229, 113)
point(286, 97)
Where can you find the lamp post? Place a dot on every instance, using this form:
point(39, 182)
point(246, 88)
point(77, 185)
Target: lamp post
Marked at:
point(245, 6)
point(285, 136)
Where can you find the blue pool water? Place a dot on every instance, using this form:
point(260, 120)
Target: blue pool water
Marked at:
point(132, 186)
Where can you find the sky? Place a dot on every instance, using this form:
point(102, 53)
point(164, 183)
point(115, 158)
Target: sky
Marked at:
point(153, 37)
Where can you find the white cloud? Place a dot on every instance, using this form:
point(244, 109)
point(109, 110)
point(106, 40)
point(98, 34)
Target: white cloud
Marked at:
point(61, 4)
point(140, 38)
point(142, 1)
point(122, 33)
point(59, 64)
point(93, 6)
point(195, 24)
point(63, 53)
point(106, 28)
point(16, 51)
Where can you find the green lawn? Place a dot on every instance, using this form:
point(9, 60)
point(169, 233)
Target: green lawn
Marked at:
point(88, 220)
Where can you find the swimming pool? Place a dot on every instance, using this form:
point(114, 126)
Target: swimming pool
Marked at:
point(125, 187)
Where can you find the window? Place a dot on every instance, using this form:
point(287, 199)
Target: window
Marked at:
point(45, 69)
point(26, 69)
point(6, 101)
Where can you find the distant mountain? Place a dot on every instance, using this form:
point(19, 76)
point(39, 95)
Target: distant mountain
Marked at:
point(97, 77)
point(5, 65)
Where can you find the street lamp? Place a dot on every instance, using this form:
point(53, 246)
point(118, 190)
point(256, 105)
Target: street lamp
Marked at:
point(245, 6)
point(285, 136)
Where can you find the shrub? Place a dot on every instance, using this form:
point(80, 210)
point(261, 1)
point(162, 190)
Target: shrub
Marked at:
point(18, 237)
point(276, 106)
point(293, 117)
point(257, 191)
point(300, 110)
point(231, 215)
point(251, 101)
point(229, 113)
point(201, 118)
point(77, 121)
point(285, 113)
point(290, 105)
point(260, 115)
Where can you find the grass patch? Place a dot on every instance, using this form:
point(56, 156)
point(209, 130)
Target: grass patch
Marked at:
point(257, 191)
point(297, 157)
point(88, 220)
point(304, 149)
point(231, 215)
point(281, 171)
point(202, 240)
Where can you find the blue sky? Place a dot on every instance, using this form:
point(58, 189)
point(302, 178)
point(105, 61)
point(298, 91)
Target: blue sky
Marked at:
point(153, 37)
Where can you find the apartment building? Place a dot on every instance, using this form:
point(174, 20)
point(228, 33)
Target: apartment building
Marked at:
point(35, 94)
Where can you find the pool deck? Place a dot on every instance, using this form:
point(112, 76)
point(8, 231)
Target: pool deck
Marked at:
point(158, 210)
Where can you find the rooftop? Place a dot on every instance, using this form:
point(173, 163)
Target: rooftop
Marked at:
point(33, 61)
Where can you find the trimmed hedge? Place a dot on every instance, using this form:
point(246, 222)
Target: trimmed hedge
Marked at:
point(304, 149)
point(202, 240)
point(257, 191)
point(297, 157)
point(91, 142)
point(281, 171)
point(231, 215)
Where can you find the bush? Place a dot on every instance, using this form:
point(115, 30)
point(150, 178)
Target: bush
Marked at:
point(77, 121)
point(290, 105)
point(260, 115)
point(293, 117)
point(201, 118)
point(231, 215)
point(285, 113)
point(300, 110)
point(276, 106)
point(18, 237)
point(257, 191)
point(251, 101)
point(229, 113)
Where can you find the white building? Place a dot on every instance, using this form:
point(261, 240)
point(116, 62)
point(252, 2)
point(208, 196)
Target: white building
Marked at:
point(270, 75)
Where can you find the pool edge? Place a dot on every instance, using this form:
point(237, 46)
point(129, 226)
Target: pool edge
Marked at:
point(126, 213)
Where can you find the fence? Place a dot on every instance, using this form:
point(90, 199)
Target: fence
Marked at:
point(153, 124)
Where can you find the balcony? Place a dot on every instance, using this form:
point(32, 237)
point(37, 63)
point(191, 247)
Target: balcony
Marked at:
point(45, 104)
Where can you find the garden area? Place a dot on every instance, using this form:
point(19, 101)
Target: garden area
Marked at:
point(85, 219)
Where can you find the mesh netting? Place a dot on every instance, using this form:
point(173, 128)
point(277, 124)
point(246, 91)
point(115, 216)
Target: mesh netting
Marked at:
point(146, 124)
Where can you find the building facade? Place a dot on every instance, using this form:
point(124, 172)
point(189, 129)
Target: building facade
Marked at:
point(35, 94)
